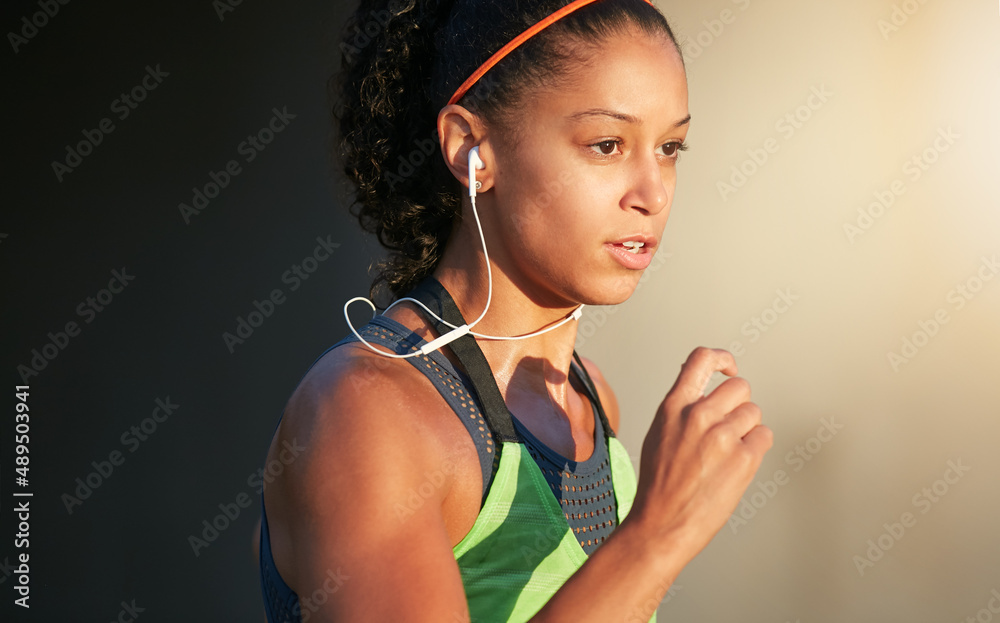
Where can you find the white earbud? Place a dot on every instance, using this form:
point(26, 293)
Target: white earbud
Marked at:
point(475, 163)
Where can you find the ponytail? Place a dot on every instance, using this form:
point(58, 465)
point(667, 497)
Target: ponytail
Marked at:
point(388, 141)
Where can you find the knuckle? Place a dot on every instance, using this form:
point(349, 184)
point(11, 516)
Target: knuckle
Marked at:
point(749, 460)
point(741, 384)
point(720, 436)
point(671, 405)
point(701, 354)
point(765, 436)
point(744, 456)
point(699, 417)
point(768, 435)
point(752, 410)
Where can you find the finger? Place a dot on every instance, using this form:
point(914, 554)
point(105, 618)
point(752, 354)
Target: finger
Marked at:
point(731, 394)
point(717, 379)
point(759, 440)
point(744, 419)
point(697, 370)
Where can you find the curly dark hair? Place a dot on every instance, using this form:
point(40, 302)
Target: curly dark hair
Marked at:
point(401, 61)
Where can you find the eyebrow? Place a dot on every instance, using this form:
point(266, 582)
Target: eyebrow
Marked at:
point(620, 116)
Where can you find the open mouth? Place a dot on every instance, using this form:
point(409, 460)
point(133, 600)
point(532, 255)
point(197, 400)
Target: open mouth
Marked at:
point(633, 247)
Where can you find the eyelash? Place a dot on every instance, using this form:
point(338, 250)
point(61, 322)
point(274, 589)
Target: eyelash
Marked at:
point(680, 146)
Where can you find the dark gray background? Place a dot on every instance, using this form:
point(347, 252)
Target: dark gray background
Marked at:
point(162, 336)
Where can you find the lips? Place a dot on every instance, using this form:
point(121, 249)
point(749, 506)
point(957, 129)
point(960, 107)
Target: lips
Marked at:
point(635, 243)
point(634, 252)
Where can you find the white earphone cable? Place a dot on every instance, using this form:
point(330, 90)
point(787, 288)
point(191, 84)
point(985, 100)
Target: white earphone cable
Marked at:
point(457, 332)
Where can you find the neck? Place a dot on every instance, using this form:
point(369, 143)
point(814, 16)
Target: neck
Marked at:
point(517, 307)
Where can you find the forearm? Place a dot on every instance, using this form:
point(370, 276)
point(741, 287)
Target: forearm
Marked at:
point(623, 581)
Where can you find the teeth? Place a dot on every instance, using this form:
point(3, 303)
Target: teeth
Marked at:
point(633, 246)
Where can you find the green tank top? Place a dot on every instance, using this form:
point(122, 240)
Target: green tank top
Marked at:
point(521, 549)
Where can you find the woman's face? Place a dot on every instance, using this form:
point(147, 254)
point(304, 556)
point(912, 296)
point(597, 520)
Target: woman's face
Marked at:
point(590, 165)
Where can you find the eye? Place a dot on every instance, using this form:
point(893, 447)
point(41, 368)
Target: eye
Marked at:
point(606, 148)
point(672, 150)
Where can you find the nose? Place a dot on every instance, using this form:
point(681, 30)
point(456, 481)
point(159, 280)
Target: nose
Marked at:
point(649, 185)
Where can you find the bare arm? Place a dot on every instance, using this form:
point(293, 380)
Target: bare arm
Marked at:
point(338, 509)
point(338, 500)
point(699, 456)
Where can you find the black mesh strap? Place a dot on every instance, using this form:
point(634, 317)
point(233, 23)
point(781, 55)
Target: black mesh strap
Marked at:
point(431, 293)
point(589, 385)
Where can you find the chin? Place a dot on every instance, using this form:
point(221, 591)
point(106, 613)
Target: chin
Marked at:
point(613, 290)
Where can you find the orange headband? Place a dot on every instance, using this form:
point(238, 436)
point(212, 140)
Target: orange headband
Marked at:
point(518, 40)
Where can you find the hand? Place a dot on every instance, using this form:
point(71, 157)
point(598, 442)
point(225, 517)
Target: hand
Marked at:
point(699, 456)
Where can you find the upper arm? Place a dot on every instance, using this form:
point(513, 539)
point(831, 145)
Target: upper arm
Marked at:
point(604, 392)
point(363, 529)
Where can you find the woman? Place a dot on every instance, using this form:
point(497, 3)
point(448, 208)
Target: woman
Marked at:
point(483, 479)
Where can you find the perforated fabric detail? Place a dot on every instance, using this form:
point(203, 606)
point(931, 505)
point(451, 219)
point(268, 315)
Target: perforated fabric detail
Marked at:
point(450, 383)
point(281, 604)
point(583, 488)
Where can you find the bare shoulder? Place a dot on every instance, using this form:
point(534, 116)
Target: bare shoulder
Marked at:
point(357, 408)
point(604, 392)
point(364, 433)
point(348, 398)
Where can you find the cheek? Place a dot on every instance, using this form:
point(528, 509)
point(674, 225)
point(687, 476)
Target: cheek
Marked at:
point(565, 207)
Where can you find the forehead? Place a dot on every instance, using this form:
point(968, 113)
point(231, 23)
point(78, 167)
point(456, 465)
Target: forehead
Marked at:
point(633, 73)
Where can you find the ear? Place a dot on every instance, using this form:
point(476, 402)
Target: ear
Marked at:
point(459, 130)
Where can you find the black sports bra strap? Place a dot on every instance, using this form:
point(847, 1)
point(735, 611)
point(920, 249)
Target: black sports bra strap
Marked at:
point(589, 384)
point(432, 294)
